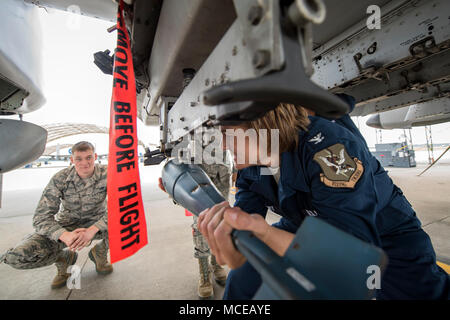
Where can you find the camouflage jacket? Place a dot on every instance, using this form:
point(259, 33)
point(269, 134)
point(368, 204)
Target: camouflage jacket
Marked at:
point(220, 173)
point(69, 202)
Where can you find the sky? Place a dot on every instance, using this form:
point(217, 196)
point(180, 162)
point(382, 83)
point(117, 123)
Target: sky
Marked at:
point(77, 91)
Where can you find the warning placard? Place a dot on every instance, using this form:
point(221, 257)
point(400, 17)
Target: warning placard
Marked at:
point(127, 228)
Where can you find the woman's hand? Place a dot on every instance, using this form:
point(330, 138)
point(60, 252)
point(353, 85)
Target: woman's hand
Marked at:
point(216, 225)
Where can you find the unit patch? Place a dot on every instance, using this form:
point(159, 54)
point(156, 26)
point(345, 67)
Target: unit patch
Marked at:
point(339, 170)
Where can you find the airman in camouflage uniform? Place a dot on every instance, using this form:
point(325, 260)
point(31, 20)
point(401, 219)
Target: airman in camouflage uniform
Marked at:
point(68, 204)
point(220, 175)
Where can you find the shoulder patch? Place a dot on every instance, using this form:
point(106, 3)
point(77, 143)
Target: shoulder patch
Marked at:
point(339, 170)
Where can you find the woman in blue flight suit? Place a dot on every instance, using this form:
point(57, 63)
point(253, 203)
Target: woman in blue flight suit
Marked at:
point(327, 172)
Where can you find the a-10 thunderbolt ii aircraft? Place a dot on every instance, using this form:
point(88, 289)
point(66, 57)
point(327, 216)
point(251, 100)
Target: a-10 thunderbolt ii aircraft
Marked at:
point(20, 84)
point(208, 62)
point(388, 54)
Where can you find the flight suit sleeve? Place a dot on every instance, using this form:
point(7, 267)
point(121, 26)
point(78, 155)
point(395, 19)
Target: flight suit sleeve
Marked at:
point(248, 200)
point(44, 217)
point(343, 188)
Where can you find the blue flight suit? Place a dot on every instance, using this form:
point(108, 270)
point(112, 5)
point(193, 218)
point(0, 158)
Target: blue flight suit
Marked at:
point(374, 210)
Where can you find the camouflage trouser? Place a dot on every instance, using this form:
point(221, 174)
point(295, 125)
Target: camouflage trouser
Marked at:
point(201, 248)
point(220, 176)
point(36, 250)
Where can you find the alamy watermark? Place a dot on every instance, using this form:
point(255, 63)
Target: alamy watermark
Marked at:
point(74, 281)
point(74, 20)
point(374, 20)
point(248, 147)
point(374, 280)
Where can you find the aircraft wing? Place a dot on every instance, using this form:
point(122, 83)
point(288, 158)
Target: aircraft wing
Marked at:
point(20, 59)
point(388, 54)
point(100, 9)
point(403, 63)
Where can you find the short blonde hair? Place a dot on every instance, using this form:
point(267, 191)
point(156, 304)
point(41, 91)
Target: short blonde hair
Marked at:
point(288, 119)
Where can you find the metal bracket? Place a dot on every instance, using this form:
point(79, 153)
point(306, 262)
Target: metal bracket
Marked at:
point(165, 104)
point(259, 71)
point(304, 14)
point(104, 61)
point(290, 85)
point(424, 47)
point(373, 72)
point(154, 157)
point(261, 30)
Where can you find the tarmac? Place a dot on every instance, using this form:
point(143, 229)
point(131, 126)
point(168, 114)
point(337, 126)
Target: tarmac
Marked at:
point(166, 267)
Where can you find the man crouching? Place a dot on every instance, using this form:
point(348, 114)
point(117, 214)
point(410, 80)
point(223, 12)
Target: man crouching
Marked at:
point(81, 189)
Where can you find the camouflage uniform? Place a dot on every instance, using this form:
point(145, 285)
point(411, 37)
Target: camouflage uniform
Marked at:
point(220, 176)
point(83, 204)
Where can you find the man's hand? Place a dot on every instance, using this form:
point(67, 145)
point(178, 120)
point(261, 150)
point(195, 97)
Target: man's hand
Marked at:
point(84, 237)
point(216, 225)
point(69, 237)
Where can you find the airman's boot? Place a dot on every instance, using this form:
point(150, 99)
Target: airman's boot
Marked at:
point(220, 275)
point(65, 259)
point(205, 286)
point(99, 255)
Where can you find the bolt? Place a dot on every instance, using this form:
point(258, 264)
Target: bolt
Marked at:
point(260, 59)
point(255, 15)
point(182, 119)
